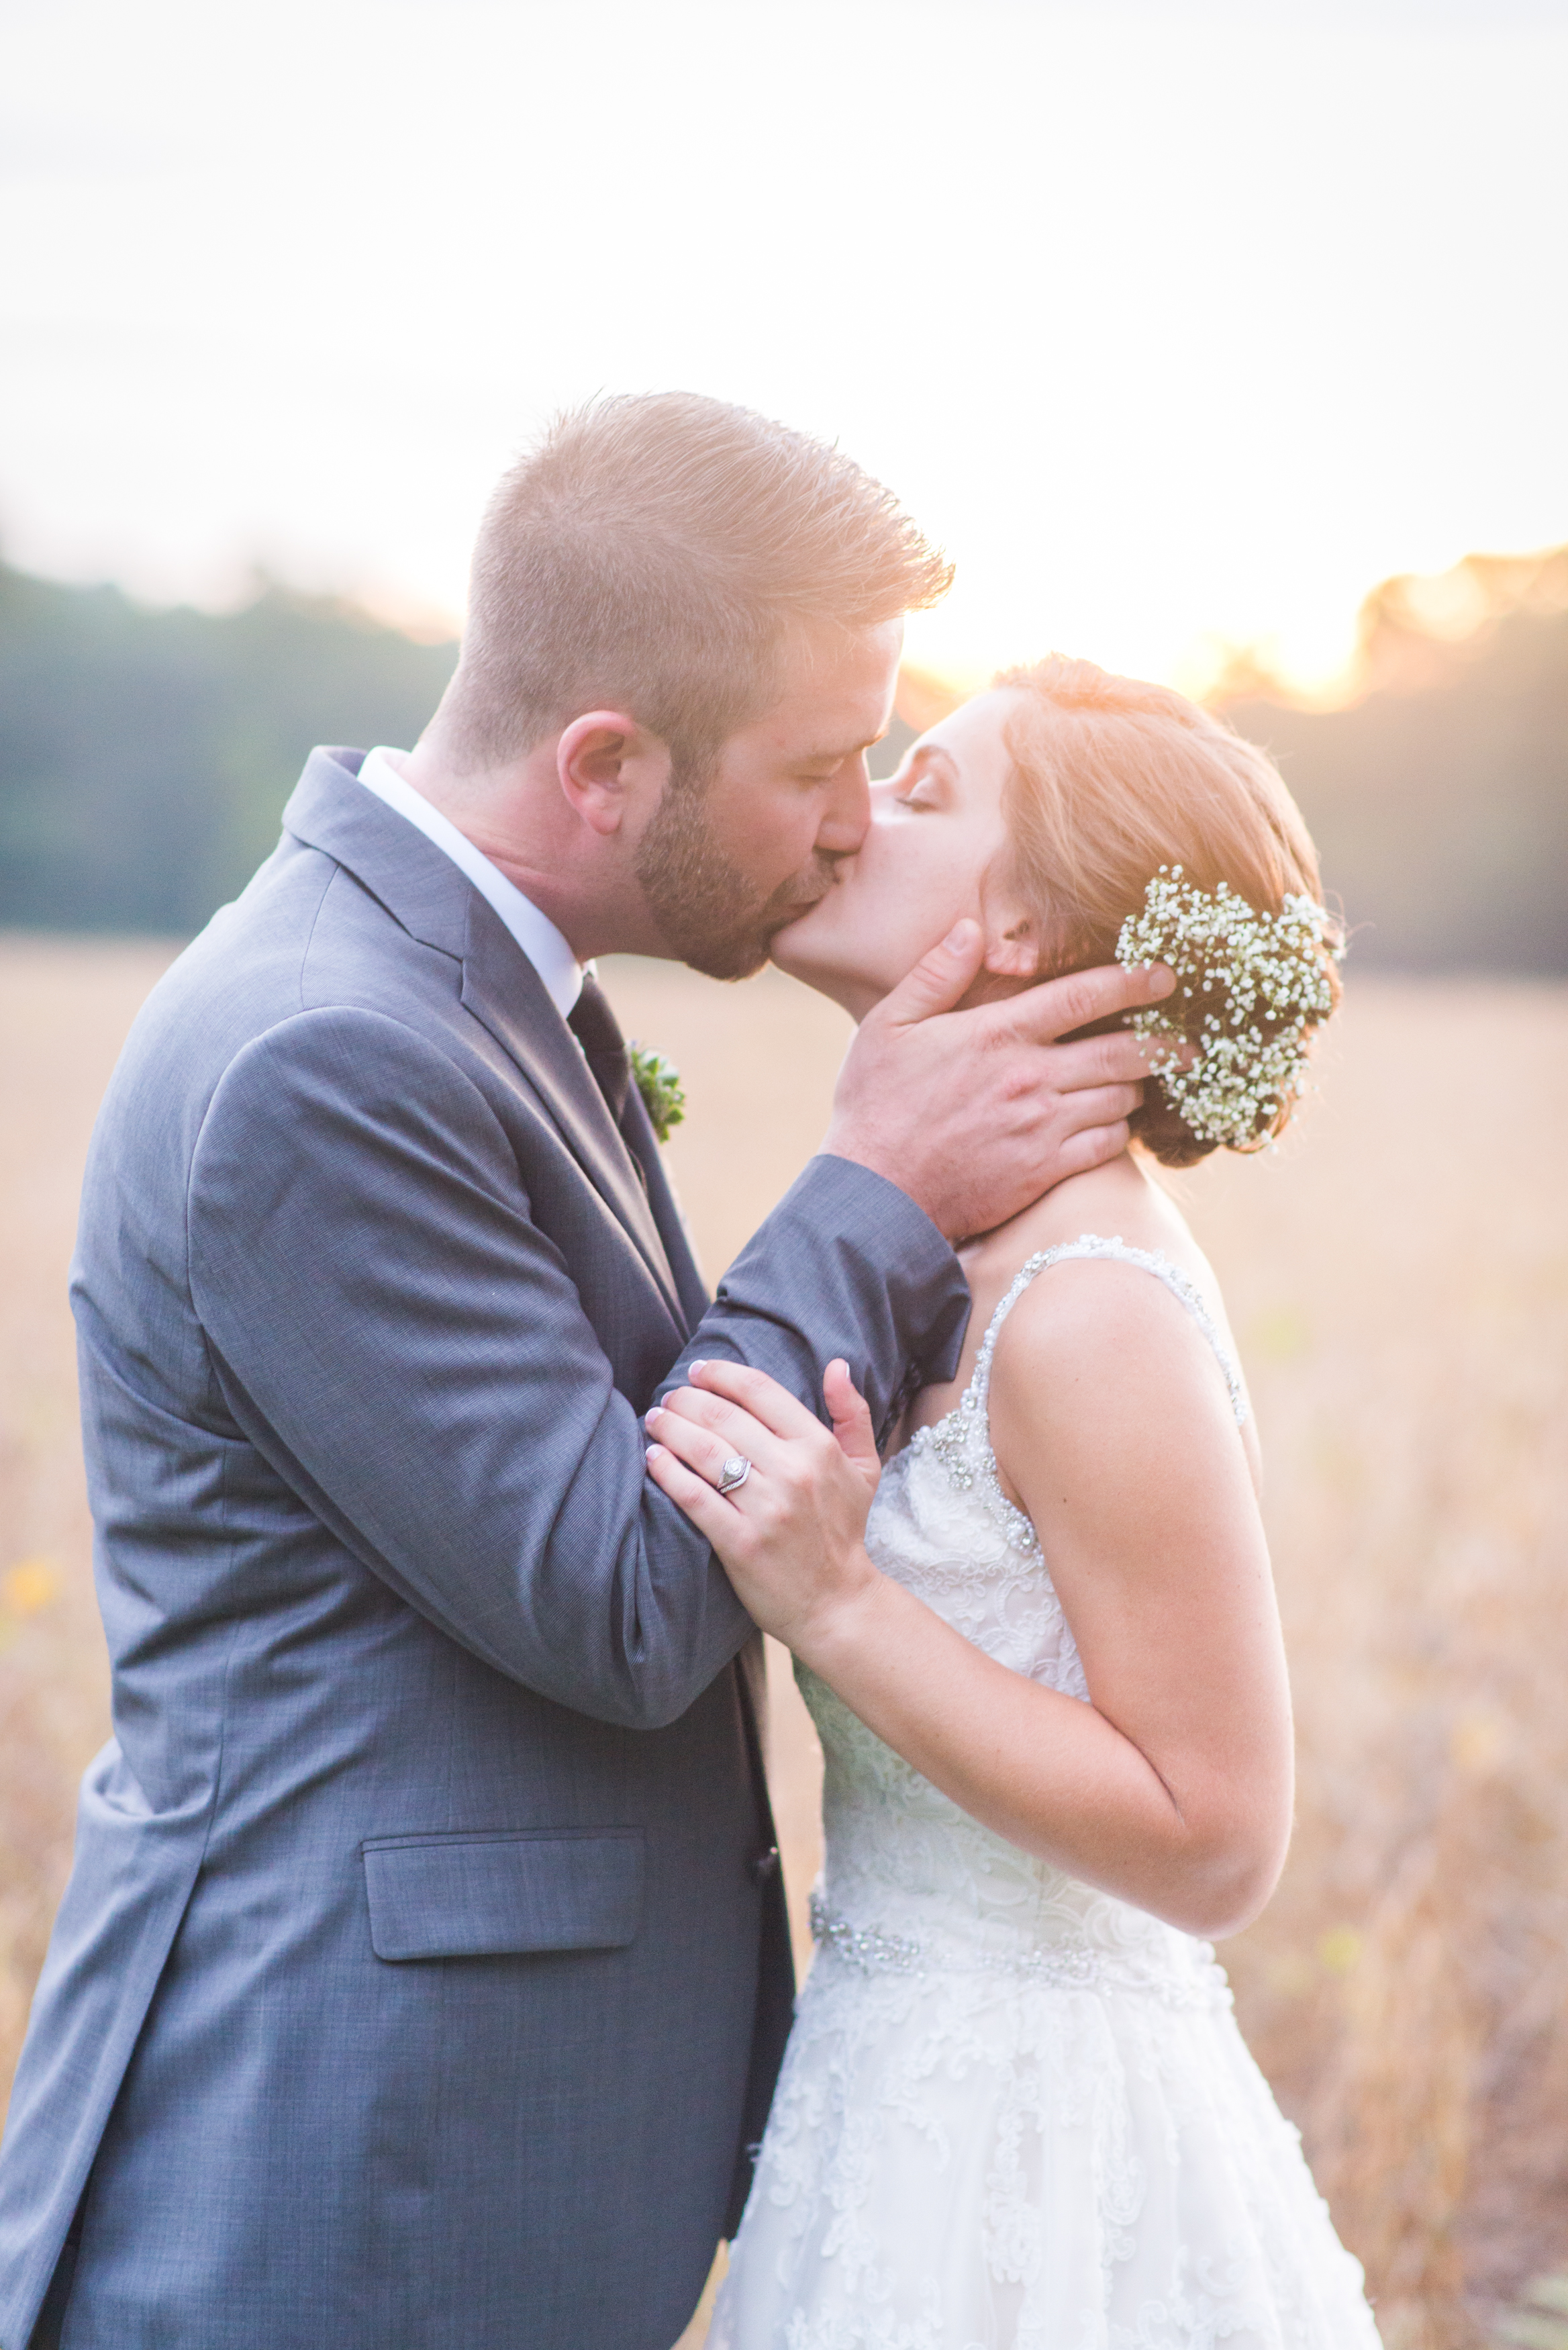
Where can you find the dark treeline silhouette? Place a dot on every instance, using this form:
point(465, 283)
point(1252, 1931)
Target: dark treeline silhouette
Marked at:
point(145, 755)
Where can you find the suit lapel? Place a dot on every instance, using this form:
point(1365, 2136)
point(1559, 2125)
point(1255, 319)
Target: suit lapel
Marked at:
point(423, 891)
point(507, 996)
point(637, 1127)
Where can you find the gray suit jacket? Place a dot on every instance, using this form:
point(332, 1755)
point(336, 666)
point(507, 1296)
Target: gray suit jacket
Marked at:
point(422, 1975)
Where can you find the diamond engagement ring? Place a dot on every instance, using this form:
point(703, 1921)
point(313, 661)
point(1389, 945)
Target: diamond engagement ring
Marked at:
point(734, 1473)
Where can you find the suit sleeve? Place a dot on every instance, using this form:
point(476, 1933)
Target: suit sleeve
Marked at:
point(409, 1350)
point(846, 1264)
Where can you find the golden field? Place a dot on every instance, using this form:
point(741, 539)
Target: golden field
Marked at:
point(1398, 1276)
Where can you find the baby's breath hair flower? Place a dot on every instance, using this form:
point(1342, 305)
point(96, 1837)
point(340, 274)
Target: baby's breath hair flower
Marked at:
point(1268, 981)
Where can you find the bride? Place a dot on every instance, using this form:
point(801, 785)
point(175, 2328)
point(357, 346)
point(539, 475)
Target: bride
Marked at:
point(1041, 1643)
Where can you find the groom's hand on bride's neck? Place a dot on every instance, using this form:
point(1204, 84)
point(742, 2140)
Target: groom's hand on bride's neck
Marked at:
point(975, 1113)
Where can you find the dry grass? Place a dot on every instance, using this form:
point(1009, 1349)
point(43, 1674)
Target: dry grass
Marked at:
point(1399, 1278)
point(64, 1010)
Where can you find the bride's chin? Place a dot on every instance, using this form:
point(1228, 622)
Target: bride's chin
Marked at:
point(816, 967)
point(789, 958)
point(794, 954)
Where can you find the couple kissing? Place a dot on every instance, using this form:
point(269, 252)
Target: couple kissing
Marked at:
point(422, 1982)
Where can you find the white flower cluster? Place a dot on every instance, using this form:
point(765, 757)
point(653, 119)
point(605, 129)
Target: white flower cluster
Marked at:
point(1268, 974)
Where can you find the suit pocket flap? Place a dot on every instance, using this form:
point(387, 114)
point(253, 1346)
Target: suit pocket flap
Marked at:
point(472, 1896)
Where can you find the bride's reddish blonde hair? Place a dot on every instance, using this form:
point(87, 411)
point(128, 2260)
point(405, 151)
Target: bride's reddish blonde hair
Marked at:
point(1112, 778)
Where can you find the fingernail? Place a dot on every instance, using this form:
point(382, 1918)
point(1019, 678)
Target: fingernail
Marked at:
point(698, 1363)
point(651, 1455)
point(954, 941)
point(1161, 979)
point(650, 1417)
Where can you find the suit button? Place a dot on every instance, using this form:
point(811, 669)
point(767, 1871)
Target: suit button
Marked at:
point(763, 1864)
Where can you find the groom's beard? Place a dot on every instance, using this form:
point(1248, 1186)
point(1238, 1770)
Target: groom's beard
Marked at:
point(711, 916)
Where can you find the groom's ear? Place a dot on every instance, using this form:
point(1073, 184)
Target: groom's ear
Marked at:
point(608, 765)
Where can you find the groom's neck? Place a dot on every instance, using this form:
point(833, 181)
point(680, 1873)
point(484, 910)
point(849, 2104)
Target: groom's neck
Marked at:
point(516, 816)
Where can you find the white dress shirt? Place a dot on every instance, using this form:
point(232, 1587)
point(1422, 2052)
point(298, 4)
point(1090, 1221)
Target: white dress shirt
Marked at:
point(535, 932)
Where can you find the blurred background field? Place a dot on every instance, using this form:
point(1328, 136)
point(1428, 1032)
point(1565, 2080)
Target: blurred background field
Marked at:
point(1399, 1274)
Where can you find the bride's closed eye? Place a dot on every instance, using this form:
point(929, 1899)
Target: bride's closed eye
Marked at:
point(925, 793)
point(928, 785)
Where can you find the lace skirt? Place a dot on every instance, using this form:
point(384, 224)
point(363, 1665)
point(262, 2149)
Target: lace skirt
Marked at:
point(973, 2158)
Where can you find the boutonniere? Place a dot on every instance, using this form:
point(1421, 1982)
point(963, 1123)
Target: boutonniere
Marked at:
point(659, 1083)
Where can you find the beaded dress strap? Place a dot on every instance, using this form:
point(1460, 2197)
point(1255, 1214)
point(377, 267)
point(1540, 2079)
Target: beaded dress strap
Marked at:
point(1090, 1244)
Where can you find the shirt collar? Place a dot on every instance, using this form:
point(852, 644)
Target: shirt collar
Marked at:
point(535, 932)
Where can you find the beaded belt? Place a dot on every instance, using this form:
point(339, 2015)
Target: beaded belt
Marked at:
point(1058, 1967)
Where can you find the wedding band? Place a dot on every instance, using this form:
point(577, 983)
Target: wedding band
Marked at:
point(734, 1473)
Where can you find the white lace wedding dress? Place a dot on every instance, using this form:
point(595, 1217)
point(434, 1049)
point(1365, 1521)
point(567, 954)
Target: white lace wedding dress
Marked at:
point(1015, 2113)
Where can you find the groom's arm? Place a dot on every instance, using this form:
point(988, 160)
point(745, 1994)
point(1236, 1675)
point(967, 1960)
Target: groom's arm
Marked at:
point(845, 1265)
point(397, 1336)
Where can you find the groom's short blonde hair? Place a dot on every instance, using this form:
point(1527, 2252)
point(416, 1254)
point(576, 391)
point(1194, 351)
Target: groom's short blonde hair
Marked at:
point(654, 554)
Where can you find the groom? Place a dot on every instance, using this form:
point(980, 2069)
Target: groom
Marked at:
point(423, 1974)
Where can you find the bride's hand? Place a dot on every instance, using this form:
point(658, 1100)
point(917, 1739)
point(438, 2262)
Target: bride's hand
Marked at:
point(791, 1537)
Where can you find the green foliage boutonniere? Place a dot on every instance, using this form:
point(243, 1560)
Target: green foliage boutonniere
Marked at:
point(659, 1083)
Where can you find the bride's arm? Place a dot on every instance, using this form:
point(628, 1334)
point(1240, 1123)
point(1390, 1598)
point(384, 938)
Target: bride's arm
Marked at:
point(1172, 1787)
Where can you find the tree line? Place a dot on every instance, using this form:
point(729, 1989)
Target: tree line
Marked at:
point(1439, 795)
point(145, 755)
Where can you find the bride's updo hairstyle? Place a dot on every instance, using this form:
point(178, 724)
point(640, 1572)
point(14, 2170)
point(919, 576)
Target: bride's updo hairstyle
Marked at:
point(1115, 782)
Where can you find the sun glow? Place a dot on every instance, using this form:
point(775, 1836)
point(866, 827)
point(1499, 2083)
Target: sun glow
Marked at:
point(1178, 326)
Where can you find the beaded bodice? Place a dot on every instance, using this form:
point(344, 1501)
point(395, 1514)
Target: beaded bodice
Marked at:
point(910, 1880)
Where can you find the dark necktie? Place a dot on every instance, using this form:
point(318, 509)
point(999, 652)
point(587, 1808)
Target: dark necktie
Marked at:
point(598, 1031)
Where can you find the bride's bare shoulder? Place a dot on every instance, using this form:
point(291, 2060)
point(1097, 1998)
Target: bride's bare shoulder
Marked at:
point(1082, 1323)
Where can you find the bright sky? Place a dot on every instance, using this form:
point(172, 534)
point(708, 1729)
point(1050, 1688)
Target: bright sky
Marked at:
point(1170, 321)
